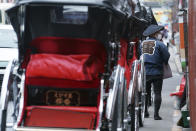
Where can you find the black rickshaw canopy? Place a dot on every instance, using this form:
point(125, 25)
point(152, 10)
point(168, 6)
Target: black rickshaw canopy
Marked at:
point(103, 20)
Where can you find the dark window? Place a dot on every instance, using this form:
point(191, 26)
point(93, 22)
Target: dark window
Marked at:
point(70, 15)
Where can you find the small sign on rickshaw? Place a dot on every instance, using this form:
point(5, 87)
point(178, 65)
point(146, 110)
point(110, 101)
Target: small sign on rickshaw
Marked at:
point(63, 98)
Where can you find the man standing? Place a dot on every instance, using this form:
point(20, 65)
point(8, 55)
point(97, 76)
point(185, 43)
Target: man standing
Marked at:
point(155, 55)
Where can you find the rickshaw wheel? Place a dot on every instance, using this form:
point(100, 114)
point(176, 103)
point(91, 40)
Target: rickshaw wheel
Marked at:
point(9, 111)
point(117, 113)
point(126, 111)
point(142, 102)
point(114, 120)
point(3, 120)
point(142, 95)
point(16, 100)
point(4, 114)
point(142, 98)
point(134, 112)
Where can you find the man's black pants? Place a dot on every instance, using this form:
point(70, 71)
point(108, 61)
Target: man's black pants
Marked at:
point(157, 82)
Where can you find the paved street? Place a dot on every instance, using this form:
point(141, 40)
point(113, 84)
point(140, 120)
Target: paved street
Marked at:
point(167, 108)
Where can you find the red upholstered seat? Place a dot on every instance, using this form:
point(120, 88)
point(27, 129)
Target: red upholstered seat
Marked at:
point(63, 63)
point(65, 58)
point(70, 67)
point(65, 46)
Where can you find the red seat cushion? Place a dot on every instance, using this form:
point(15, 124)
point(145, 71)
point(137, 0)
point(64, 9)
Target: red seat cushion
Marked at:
point(65, 46)
point(73, 67)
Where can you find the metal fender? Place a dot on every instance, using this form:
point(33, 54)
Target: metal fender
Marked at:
point(115, 80)
point(140, 82)
point(141, 77)
point(101, 104)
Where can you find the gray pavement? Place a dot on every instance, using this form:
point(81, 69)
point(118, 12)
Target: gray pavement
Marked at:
point(167, 108)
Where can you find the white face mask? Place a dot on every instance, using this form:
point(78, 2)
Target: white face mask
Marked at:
point(159, 36)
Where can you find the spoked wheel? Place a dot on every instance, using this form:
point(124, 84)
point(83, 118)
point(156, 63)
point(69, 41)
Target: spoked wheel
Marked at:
point(134, 112)
point(126, 111)
point(114, 107)
point(6, 112)
point(151, 99)
point(8, 95)
point(117, 121)
point(3, 119)
point(142, 99)
point(115, 118)
point(5, 97)
point(16, 101)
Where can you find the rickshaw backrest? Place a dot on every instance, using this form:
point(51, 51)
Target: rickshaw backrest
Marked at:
point(67, 46)
point(66, 58)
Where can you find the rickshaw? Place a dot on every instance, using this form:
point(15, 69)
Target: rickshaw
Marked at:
point(77, 67)
point(142, 18)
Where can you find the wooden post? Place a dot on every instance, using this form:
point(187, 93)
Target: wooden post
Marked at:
point(192, 60)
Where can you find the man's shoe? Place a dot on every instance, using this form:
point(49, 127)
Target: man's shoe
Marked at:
point(146, 115)
point(157, 117)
